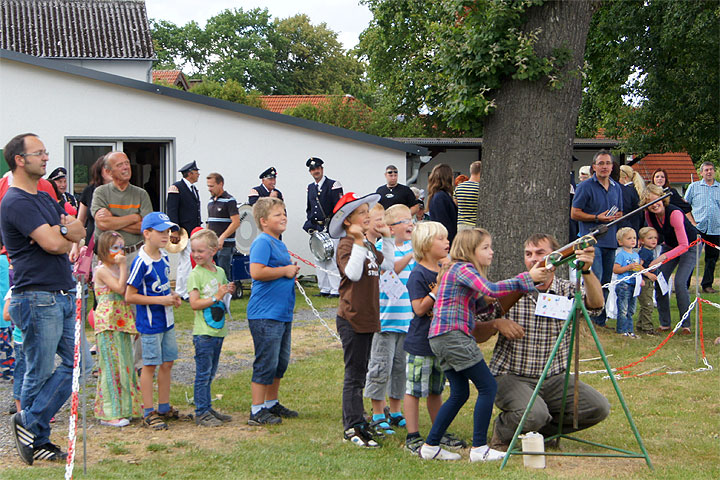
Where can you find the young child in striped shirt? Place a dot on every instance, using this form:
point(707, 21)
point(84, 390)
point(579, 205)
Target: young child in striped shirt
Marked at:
point(460, 298)
point(386, 369)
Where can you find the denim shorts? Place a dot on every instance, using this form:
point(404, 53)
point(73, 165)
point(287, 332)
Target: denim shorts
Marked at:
point(271, 339)
point(424, 376)
point(158, 348)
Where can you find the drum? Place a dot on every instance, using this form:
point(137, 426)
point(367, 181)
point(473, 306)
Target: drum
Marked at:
point(247, 231)
point(321, 245)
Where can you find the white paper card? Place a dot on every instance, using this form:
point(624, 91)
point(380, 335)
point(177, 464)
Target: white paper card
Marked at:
point(638, 286)
point(391, 285)
point(169, 316)
point(553, 306)
point(664, 288)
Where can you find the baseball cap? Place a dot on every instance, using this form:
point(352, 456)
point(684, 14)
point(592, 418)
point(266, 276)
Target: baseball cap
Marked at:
point(158, 221)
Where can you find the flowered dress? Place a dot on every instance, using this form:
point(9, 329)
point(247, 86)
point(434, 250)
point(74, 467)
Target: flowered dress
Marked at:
point(117, 395)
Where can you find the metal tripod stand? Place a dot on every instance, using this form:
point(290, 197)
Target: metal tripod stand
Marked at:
point(573, 317)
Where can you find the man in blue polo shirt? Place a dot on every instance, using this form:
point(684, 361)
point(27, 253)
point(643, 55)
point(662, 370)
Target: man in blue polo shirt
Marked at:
point(594, 200)
point(704, 196)
point(38, 236)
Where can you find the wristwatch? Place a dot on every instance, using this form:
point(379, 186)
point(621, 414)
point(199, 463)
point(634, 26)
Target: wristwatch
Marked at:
point(586, 272)
point(63, 230)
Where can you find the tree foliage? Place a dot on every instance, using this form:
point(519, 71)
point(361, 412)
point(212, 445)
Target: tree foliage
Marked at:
point(282, 56)
point(231, 90)
point(653, 76)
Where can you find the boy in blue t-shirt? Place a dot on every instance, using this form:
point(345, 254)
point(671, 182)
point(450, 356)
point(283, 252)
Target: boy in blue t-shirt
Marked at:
point(425, 378)
point(149, 288)
point(270, 311)
point(386, 368)
point(648, 242)
point(626, 261)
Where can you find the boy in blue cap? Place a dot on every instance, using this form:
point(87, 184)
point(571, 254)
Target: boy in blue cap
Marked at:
point(149, 288)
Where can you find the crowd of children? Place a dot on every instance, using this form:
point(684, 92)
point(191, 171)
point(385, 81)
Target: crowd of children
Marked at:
point(407, 307)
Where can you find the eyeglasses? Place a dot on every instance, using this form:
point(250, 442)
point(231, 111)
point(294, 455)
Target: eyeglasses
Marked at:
point(404, 220)
point(35, 154)
point(392, 172)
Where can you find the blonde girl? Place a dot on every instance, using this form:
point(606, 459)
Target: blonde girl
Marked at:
point(117, 397)
point(460, 298)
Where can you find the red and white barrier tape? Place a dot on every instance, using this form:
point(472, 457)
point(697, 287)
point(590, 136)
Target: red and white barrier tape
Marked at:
point(650, 268)
point(308, 262)
point(72, 423)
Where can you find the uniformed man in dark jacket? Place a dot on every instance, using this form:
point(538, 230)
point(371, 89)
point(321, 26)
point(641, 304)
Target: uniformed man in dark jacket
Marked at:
point(322, 196)
point(266, 188)
point(183, 208)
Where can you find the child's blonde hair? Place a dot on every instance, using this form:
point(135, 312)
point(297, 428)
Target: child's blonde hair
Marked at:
point(106, 240)
point(377, 208)
point(423, 236)
point(208, 236)
point(644, 232)
point(262, 208)
point(464, 245)
point(623, 232)
point(395, 213)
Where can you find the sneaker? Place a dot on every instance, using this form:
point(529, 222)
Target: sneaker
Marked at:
point(452, 442)
point(49, 452)
point(685, 331)
point(220, 416)
point(413, 445)
point(436, 453)
point(630, 335)
point(397, 420)
point(263, 417)
point(485, 454)
point(118, 422)
point(23, 437)
point(279, 410)
point(207, 419)
point(359, 435)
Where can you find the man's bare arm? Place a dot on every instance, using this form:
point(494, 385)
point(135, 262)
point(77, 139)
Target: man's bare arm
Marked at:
point(107, 221)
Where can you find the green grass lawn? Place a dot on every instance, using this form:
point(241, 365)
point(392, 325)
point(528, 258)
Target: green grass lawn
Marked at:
point(678, 417)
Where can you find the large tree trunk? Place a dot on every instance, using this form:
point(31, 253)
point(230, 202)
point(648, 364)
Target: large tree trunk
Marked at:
point(527, 143)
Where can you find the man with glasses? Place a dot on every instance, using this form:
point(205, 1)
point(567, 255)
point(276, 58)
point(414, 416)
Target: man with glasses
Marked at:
point(394, 193)
point(322, 196)
point(599, 200)
point(38, 236)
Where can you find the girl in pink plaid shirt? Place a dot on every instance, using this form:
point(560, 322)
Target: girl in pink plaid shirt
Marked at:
point(461, 296)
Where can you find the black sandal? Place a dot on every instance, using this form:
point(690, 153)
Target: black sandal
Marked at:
point(154, 421)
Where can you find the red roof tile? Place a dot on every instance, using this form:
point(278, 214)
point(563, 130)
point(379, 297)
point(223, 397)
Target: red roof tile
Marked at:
point(171, 77)
point(280, 103)
point(679, 167)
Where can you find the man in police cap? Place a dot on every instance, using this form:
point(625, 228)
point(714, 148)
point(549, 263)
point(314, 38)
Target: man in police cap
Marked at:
point(183, 208)
point(266, 188)
point(59, 177)
point(322, 196)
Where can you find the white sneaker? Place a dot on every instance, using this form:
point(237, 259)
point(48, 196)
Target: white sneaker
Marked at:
point(485, 454)
point(436, 453)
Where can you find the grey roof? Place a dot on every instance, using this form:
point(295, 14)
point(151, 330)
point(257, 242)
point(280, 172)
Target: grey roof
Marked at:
point(90, 29)
point(65, 67)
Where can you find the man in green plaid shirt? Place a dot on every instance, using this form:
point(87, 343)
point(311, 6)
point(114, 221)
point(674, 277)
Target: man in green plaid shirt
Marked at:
point(524, 347)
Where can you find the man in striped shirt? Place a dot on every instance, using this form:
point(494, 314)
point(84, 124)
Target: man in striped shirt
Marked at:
point(467, 195)
point(223, 219)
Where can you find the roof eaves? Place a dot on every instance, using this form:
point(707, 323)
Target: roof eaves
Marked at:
point(211, 102)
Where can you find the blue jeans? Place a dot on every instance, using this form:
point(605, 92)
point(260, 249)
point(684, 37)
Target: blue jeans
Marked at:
point(207, 357)
point(223, 259)
point(271, 339)
point(603, 269)
point(625, 306)
point(47, 322)
point(684, 264)
point(19, 372)
point(486, 386)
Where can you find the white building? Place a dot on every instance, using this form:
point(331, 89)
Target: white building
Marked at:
point(81, 114)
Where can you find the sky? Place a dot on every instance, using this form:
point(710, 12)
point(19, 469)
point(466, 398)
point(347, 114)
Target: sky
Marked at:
point(346, 17)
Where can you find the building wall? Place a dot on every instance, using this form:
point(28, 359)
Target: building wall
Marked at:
point(56, 106)
point(135, 69)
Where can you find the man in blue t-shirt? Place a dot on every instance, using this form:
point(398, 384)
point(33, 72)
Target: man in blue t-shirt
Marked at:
point(599, 200)
point(38, 236)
